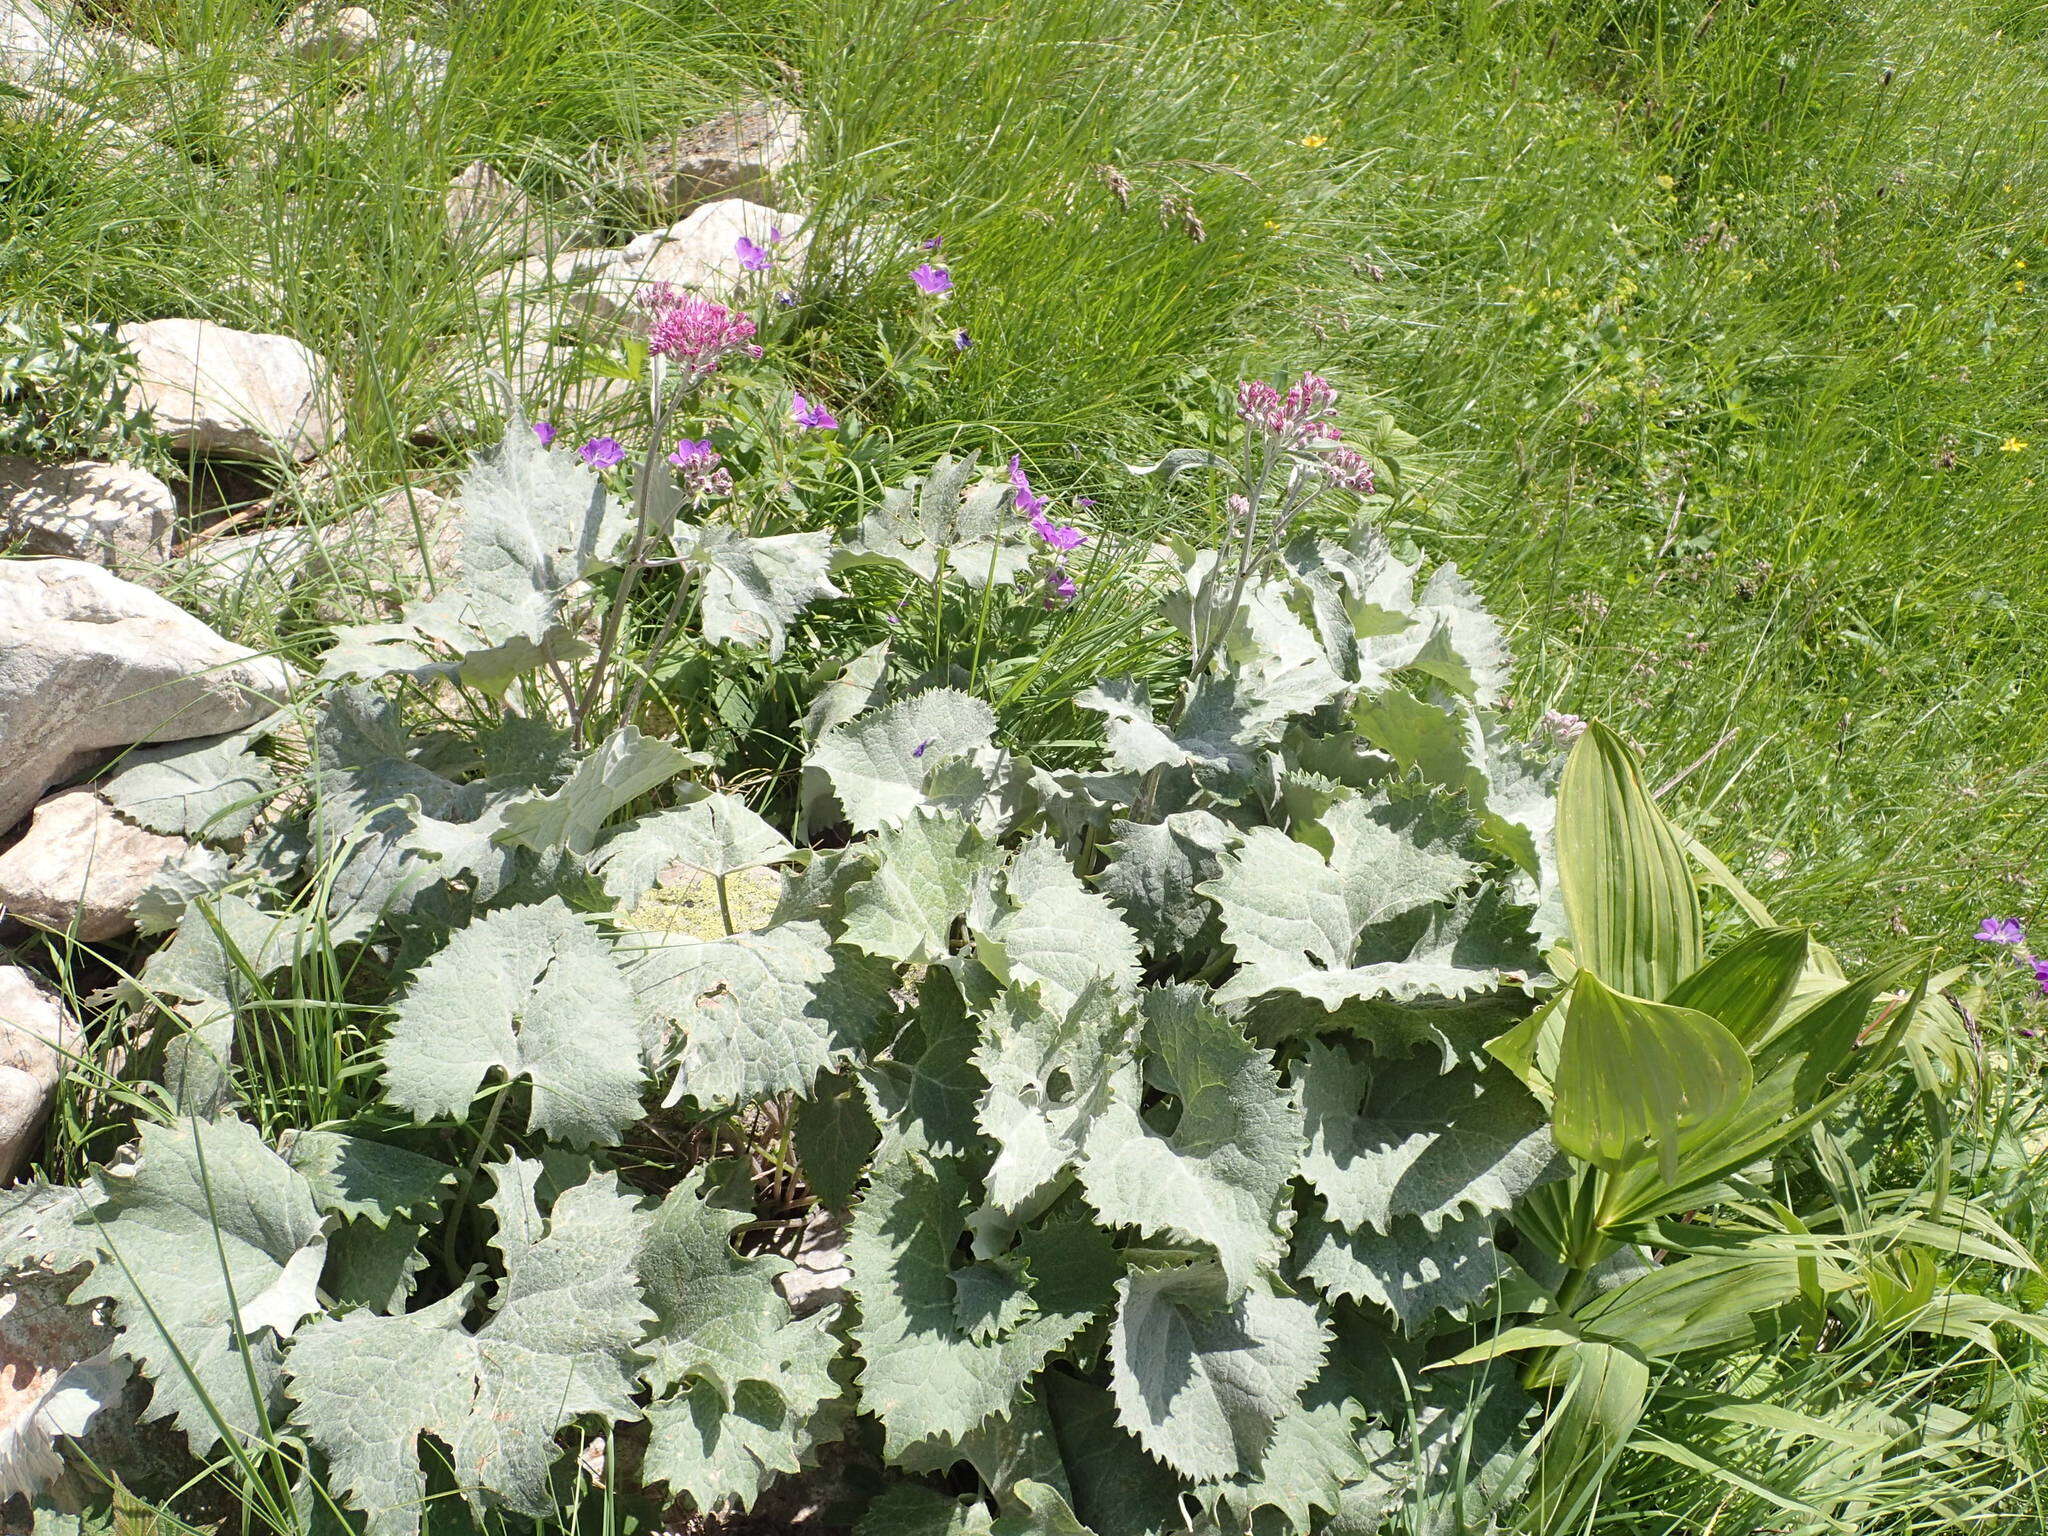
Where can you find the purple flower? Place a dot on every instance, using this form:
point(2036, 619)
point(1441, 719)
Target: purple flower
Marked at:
point(775, 235)
point(1348, 467)
point(932, 244)
point(753, 258)
point(932, 279)
point(1028, 501)
point(1059, 585)
point(602, 452)
point(1295, 418)
point(693, 451)
point(919, 749)
point(1058, 535)
point(808, 415)
point(545, 431)
point(961, 340)
point(2000, 930)
point(1565, 728)
point(700, 475)
point(2040, 970)
point(1084, 501)
point(693, 332)
point(785, 298)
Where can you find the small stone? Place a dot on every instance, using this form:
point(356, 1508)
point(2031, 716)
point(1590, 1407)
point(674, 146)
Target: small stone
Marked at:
point(490, 213)
point(242, 394)
point(38, 1039)
point(112, 514)
point(89, 662)
point(318, 34)
point(822, 1274)
point(698, 255)
point(56, 1374)
point(81, 865)
point(749, 150)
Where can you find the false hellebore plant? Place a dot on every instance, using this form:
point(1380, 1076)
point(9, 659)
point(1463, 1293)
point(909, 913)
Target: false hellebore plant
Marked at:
point(1245, 1131)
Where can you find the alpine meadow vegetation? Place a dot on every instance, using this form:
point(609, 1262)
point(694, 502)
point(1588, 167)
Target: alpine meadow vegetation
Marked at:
point(954, 918)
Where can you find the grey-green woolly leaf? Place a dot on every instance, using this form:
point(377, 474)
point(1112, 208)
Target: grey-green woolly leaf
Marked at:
point(363, 1180)
point(202, 874)
point(924, 1377)
point(718, 1314)
point(623, 768)
point(1315, 1452)
point(720, 1455)
point(41, 1224)
point(1281, 668)
point(817, 892)
point(992, 1298)
point(925, 871)
point(1295, 918)
point(1178, 461)
point(1457, 1467)
point(210, 788)
point(531, 992)
point(1412, 1272)
point(757, 1013)
point(1118, 1489)
point(949, 517)
point(220, 955)
point(559, 1344)
point(718, 834)
point(1474, 637)
point(1220, 1176)
point(854, 689)
point(1048, 1069)
point(210, 1244)
point(1355, 591)
point(372, 1266)
point(1045, 1512)
point(1207, 738)
point(1055, 933)
point(753, 589)
point(1006, 1452)
point(1400, 1138)
point(1201, 1387)
point(924, 1092)
point(881, 765)
point(1151, 876)
point(911, 1509)
point(534, 524)
point(834, 1136)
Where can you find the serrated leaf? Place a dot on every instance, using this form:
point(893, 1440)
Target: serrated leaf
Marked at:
point(924, 1376)
point(1118, 1489)
point(753, 589)
point(882, 765)
point(757, 1013)
point(718, 1455)
point(1399, 1138)
point(1412, 1272)
point(992, 1298)
point(854, 689)
point(833, 1136)
point(718, 835)
point(559, 1344)
point(1203, 1387)
point(911, 1509)
point(210, 1250)
point(1281, 668)
point(948, 519)
point(1220, 1176)
point(1295, 917)
point(1048, 1070)
point(1209, 737)
point(1054, 933)
point(925, 871)
point(924, 1091)
point(623, 768)
point(1473, 638)
point(534, 524)
point(211, 788)
point(1152, 873)
point(363, 1180)
point(531, 992)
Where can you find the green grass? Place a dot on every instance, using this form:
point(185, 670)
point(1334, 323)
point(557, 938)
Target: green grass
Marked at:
point(1713, 320)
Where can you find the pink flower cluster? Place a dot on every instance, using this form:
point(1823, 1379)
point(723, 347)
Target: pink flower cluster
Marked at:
point(694, 332)
point(698, 470)
point(1296, 417)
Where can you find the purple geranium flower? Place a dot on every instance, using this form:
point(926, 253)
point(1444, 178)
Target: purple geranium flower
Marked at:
point(932, 244)
point(775, 235)
point(753, 258)
point(545, 431)
point(1029, 502)
point(809, 415)
point(692, 451)
point(932, 279)
point(602, 452)
point(961, 340)
point(1061, 586)
point(1058, 535)
point(2000, 930)
point(920, 748)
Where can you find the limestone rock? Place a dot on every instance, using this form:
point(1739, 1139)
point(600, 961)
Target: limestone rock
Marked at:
point(749, 150)
point(90, 662)
point(38, 1039)
point(238, 393)
point(822, 1273)
point(318, 33)
point(400, 548)
point(81, 865)
point(699, 254)
point(56, 1374)
point(113, 514)
point(490, 213)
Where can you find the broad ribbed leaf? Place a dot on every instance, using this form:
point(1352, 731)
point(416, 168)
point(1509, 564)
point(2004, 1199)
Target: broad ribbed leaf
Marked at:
point(1220, 1176)
point(885, 764)
point(1412, 1272)
point(1054, 933)
point(717, 835)
point(1633, 1077)
point(1628, 892)
point(559, 1343)
point(925, 871)
point(530, 992)
point(1748, 985)
point(211, 788)
point(753, 589)
point(210, 1250)
point(1400, 1138)
point(621, 770)
point(1202, 1388)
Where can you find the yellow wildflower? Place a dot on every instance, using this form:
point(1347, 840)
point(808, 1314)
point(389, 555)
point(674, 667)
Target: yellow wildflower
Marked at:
point(1314, 141)
point(2013, 445)
point(1667, 182)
